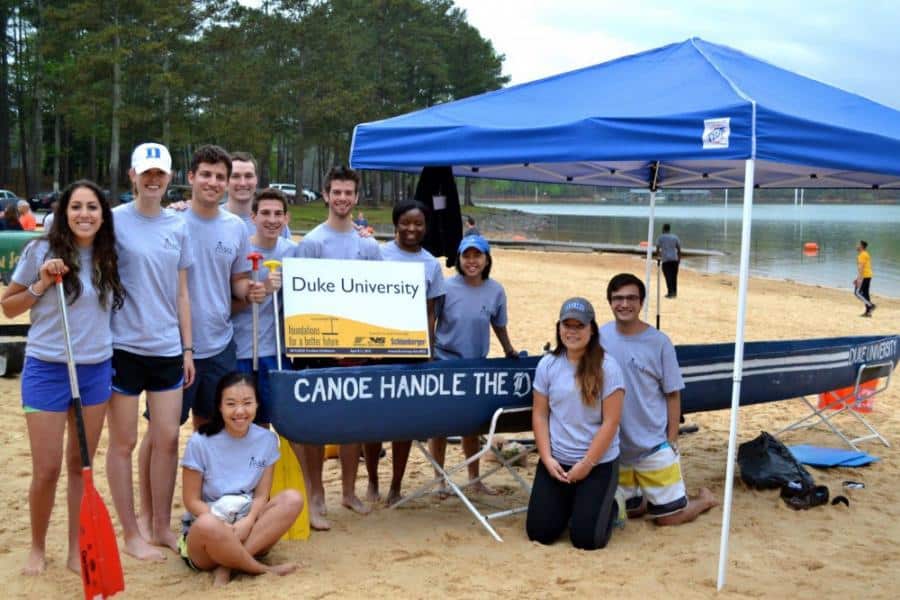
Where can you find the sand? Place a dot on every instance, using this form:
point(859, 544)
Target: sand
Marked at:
point(435, 548)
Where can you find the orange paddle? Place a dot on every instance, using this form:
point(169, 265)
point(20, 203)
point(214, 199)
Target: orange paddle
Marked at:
point(101, 569)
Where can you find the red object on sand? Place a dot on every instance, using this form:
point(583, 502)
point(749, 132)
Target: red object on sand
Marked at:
point(833, 399)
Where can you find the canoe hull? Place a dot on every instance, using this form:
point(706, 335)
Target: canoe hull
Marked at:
point(418, 401)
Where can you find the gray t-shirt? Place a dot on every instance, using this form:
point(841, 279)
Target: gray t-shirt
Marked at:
point(668, 245)
point(88, 321)
point(572, 424)
point(243, 321)
point(323, 241)
point(465, 318)
point(151, 252)
point(651, 371)
point(47, 223)
point(219, 246)
point(230, 465)
point(251, 226)
point(434, 276)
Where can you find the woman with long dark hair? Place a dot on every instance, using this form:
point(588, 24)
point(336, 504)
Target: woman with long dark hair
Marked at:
point(578, 393)
point(81, 247)
point(226, 478)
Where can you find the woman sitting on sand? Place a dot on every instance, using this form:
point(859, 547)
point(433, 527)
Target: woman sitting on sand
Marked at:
point(578, 394)
point(472, 306)
point(82, 249)
point(226, 477)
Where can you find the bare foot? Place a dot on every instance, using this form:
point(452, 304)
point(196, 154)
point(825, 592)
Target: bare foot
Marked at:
point(318, 504)
point(284, 569)
point(356, 505)
point(372, 493)
point(481, 488)
point(35, 564)
point(221, 576)
point(166, 539)
point(318, 522)
point(443, 492)
point(141, 550)
point(393, 497)
point(707, 498)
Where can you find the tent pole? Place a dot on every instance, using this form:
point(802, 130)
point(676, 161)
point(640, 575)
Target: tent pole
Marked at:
point(746, 220)
point(650, 246)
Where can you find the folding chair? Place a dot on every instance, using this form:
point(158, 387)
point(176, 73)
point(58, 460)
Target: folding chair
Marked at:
point(446, 473)
point(827, 413)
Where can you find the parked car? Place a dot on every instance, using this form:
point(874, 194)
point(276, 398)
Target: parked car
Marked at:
point(6, 198)
point(126, 197)
point(42, 201)
point(289, 189)
point(310, 195)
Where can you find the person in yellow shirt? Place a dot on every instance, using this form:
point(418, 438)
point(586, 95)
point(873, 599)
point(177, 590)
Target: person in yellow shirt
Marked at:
point(863, 277)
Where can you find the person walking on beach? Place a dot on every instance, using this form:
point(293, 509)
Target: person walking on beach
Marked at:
point(336, 238)
point(473, 305)
point(81, 249)
point(668, 248)
point(470, 228)
point(863, 277)
point(578, 393)
point(650, 472)
point(152, 354)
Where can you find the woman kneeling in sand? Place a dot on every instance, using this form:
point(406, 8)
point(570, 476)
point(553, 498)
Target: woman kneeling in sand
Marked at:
point(578, 394)
point(227, 474)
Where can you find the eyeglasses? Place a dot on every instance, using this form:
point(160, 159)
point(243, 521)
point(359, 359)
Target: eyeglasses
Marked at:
point(629, 298)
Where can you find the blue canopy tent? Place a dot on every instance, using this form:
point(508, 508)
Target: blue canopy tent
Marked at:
point(692, 114)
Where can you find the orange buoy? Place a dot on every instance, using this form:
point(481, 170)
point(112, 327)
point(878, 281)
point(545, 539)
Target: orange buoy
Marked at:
point(519, 238)
point(811, 246)
point(644, 244)
point(810, 252)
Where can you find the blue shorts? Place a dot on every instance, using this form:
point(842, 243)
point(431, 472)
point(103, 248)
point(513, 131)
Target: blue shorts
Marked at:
point(45, 385)
point(266, 364)
point(201, 396)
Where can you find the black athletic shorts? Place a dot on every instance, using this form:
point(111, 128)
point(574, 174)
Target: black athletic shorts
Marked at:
point(133, 373)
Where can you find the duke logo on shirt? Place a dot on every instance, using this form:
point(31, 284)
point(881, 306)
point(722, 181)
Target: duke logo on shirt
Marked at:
point(170, 244)
point(223, 249)
point(259, 464)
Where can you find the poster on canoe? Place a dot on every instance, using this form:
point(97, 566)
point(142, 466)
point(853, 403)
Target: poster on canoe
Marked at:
point(340, 308)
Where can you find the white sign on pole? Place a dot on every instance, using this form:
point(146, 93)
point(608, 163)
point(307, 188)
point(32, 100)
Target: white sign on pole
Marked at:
point(335, 308)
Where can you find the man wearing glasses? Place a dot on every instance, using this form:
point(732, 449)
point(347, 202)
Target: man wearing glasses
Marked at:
point(650, 468)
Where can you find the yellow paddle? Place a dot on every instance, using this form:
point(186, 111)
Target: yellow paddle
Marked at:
point(287, 473)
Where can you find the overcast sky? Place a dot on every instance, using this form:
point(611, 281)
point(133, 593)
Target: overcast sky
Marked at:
point(850, 44)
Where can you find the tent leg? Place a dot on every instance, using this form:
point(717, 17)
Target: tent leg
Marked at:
point(650, 247)
point(657, 291)
point(738, 368)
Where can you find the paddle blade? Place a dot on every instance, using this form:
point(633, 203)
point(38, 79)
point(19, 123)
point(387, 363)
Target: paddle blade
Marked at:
point(101, 569)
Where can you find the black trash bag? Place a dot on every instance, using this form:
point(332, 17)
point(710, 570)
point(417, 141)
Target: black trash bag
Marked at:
point(766, 463)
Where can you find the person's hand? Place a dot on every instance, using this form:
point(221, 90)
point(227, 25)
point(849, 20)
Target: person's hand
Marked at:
point(273, 283)
point(50, 269)
point(512, 353)
point(189, 370)
point(179, 206)
point(856, 282)
point(364, 232)
point(556, 471)
point(242, 528)
point(256, 292)
point(579, 471)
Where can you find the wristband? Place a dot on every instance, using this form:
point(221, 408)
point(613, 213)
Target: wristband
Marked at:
point(188, 349)
point(31, 291)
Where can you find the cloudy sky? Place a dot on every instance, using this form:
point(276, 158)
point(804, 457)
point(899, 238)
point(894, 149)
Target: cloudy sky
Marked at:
point(853, 45)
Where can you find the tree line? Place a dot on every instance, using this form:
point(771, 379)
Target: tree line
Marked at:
point(84, 81)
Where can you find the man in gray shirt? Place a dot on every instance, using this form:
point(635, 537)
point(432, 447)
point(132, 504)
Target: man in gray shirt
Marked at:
point(650, 469)
point(668, 248)
point(336, 238)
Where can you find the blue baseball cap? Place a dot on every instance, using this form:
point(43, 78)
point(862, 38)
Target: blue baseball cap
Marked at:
point(474, 241)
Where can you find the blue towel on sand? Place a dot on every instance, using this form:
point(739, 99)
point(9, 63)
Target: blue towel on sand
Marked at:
point(816, 456)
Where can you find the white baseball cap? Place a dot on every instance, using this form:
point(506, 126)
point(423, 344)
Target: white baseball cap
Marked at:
point(151, 156)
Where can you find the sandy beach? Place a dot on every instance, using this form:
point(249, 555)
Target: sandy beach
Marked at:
point(435, 548)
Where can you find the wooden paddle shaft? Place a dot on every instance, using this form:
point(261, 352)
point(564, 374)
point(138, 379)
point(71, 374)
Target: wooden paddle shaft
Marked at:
point(73, 376)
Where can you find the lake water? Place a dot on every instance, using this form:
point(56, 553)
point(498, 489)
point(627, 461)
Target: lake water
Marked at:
point(778, 236)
